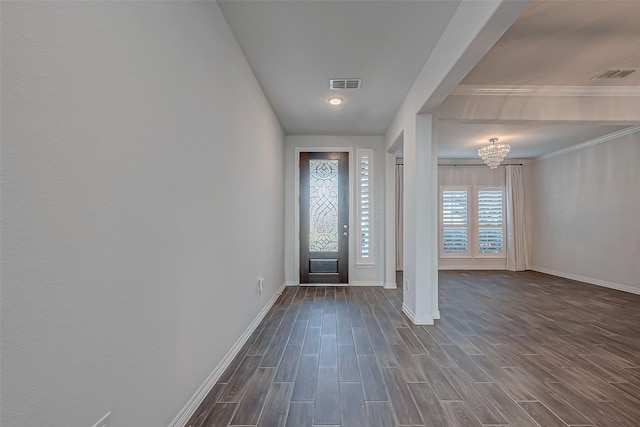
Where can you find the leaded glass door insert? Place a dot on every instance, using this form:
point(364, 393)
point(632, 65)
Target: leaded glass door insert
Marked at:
point(324, 217)
point(323, 205)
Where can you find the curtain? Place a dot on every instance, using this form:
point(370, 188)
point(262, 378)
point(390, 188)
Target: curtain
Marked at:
point(399, 210)
point(517, 257)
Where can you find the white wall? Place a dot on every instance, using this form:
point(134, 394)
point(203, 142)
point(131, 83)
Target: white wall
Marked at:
point(586, 207)
point(461, 176)
point(142, 198)
point(364, 275)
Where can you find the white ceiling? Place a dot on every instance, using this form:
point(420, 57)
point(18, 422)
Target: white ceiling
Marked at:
point(295, 47)
point(565, 43)
point(551, 44)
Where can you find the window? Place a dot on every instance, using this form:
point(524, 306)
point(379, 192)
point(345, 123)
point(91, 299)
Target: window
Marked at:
point(365, 206)
point(490, 221)
point(472, 222)
point(454, 222)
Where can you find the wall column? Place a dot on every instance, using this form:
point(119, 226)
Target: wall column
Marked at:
point(390, 221)
point(420, 220)
point(433, 197)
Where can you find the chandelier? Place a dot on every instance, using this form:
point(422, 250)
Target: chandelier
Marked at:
point(493, 154)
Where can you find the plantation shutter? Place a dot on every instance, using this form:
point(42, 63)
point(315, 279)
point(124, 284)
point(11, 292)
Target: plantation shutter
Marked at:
point(454, 221)
point(490, 224)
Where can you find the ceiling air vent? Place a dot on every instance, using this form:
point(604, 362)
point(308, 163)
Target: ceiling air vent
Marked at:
point(614, 74)
point(345, 84)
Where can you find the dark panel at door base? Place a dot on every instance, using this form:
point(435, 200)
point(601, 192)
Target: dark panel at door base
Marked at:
point(323, 265)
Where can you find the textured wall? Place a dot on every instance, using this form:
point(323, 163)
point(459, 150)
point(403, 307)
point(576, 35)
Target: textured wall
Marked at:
point(585, 211)
point(142, 198)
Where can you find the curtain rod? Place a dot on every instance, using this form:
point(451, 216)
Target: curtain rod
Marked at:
point(477, 164)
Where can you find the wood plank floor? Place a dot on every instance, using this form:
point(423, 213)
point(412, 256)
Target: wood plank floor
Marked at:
point(511, 349)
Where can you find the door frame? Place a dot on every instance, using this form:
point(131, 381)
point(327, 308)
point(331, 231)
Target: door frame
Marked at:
point(299, 150)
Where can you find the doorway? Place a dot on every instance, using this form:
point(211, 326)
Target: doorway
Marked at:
point(324, 218)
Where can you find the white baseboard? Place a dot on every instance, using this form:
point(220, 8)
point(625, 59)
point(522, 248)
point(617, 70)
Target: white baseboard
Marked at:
point(472, 264)
point(335, 285)
point(195, 401)
point(597, 282)
point(417, 320)
point(365, 283)
point(390, 285)
point(471, 267)
point(290, 283)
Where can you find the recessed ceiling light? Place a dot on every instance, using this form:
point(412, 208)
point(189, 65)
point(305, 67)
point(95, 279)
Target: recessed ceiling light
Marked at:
point(335, 101)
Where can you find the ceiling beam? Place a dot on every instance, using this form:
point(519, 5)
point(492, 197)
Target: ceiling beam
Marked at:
point(619, 110)
point(472, 31)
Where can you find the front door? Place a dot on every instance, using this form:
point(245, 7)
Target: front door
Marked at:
point(324, 217)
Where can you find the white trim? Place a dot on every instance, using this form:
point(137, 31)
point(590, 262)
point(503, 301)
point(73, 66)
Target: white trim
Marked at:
point(190, 408)
point(291, 283)
point(335, 285)
point(454, 255)
point(410, 314)
point(589, 280)
point(472, 267)
point(101, 422)
point(296, 192)
point(390, 285)
point(530, 90)
point(370, 259)
point(417, 320)
point(447, 162)
point(595, 141)
point(366, 283)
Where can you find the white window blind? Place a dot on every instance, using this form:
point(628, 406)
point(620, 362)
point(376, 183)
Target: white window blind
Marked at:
point(365, 206)
point(490, 222)
point(454, 221)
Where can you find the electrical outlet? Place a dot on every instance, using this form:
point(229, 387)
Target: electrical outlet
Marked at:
point(260, 285)
point(104, 421)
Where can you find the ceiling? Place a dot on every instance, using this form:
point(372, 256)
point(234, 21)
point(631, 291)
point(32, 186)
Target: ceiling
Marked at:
point(462, 140)
point(565, 43)
point(295, 47)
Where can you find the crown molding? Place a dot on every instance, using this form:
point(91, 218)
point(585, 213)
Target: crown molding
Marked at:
point(485, 90)
point(478, 162)
point(599, 140)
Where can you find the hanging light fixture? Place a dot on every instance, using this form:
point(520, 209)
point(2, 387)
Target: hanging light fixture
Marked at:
point(493, 154)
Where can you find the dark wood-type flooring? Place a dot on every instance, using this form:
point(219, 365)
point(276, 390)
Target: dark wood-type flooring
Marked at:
point(518, 349)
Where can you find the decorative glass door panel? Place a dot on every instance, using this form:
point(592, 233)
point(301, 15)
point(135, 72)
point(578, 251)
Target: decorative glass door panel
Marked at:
point(323, 205)
point(324, 217)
